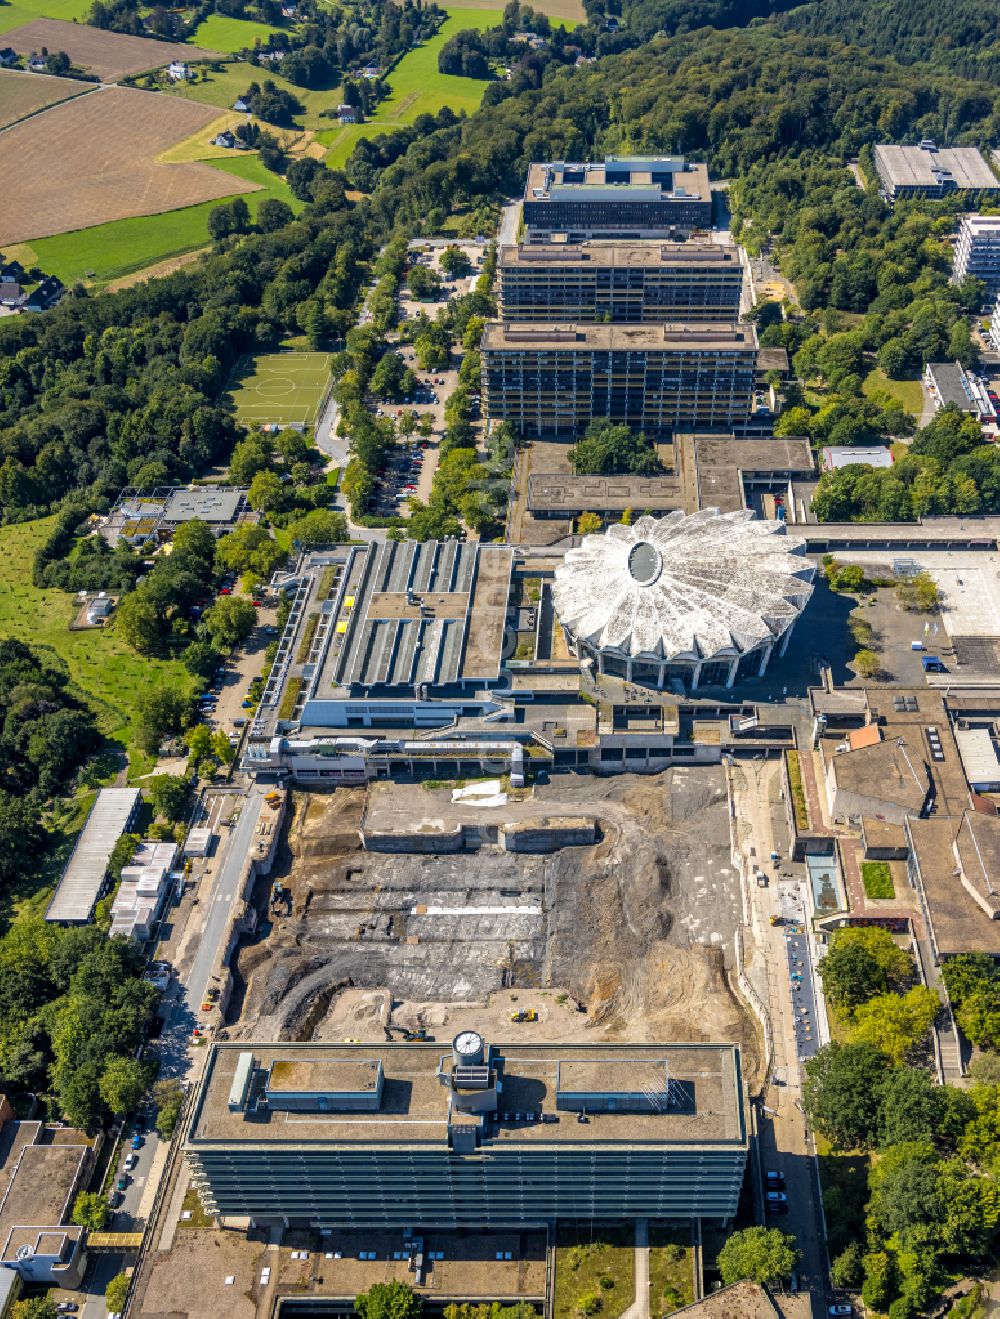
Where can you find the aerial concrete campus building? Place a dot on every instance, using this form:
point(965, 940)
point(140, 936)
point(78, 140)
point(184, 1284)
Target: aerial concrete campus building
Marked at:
point(404, 660)
point(620, 282)
point(478, 1136)
point(141, 517)
point(553, 380)
point(621, 197)
point(977, 251)
point(704, 599)
point(927, 170)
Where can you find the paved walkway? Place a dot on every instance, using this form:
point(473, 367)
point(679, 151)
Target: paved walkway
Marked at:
point(639, 1309)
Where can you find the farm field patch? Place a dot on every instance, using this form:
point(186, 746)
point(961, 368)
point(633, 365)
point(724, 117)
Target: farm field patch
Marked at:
point(571, 11)
point(23, 94)
point(111, 55)
point(24, 11)
point(419, 88)
point(93, 160)
point(108, 251)
point(218, 32)
point(282, 389)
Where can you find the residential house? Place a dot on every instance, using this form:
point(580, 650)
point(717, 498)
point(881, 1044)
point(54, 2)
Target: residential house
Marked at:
point(347, 114)
point(371, 71)
point(178, 71)
point(226, 139)
point(36, 63)
point(11, 272)
point(12, 296)
point(241, 105)
point(46, 295)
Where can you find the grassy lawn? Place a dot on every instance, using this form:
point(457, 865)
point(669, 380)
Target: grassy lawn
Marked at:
point(118, 248)
point(107, 672)
point(231, 34)
point(844, 1178)
point(279, 388)
point(418, 88)
point(877, 879)
point(909, 392)
point(671, 1268)
point(12, 16)
point(586, 1253)
point(223, 87)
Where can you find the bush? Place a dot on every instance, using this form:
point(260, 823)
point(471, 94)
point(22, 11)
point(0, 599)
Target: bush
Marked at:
point(605, 1283)
point(588, 1303)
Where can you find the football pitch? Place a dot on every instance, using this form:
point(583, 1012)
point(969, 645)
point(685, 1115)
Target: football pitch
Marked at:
point(279, 389)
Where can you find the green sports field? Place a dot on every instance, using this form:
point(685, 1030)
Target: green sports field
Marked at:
point(279, 389)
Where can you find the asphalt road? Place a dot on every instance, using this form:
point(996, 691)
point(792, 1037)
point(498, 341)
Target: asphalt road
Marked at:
point(800, 979)
point(510, 218)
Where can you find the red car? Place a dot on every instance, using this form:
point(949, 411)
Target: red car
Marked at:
point(226, 590)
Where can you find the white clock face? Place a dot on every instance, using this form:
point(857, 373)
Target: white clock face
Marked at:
point(468, 1041)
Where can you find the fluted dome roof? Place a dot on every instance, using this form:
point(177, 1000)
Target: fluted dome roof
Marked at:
point(683, 586)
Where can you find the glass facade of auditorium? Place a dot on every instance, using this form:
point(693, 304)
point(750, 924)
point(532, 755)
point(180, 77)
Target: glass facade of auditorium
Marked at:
point(500, 1184)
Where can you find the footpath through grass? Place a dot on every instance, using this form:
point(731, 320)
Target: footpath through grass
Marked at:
point(418, 88)
point(107, 672)
point(121, 246)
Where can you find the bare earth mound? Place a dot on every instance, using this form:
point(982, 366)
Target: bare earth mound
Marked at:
point(93, 160)
point(111, 55)
point(22, 94)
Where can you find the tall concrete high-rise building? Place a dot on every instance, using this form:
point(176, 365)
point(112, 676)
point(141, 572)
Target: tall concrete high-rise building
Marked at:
point(620, 282)
point(475, 1135)
point(977, 251)
point(554, 380)
point(621, 197)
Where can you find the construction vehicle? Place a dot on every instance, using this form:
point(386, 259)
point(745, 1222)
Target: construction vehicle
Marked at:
point(524, 1014)
point(273, 800)
point(777, 920)
point(418, 1036)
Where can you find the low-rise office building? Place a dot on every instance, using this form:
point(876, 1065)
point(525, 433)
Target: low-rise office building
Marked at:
point(949, 382)
point(927, 170)
point(977, 251)
point(554, 380)
point(85, 878)
point(478, 1136)
point(620, 282)
point(620, 197)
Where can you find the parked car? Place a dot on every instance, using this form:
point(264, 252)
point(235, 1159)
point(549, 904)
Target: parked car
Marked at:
point(122, 1183)
point(131, 1160)
point(775, 1180)
point(115, 1198)
point(67, 1307)
point(776, 1197)
point(841, 1308)
point(136, 1141)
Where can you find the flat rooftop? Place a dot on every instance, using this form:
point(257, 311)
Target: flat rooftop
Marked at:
point(712, 468)
point(203, 503)
point(559, 492)
point(959, 924)
point(885, 772)
point(668, 178)
point(83, 877)
point(949, 380)
point(600, 253)
point(978, 847)
point(522, 336)
point(417, 612)
point(917, 167)
point(326, 1075)
point(414, 1105)
point(41, 1185)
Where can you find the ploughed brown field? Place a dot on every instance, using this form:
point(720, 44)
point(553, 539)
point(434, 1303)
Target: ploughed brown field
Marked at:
point(23, 93)
point(92, 159)
point(111, 55)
